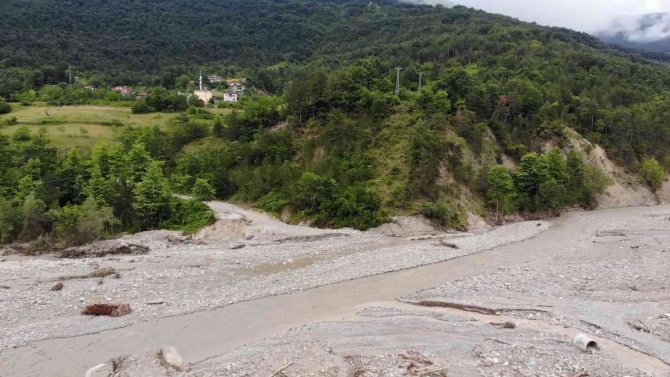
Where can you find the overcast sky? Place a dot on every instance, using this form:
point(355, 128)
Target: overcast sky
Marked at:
point(585, 15)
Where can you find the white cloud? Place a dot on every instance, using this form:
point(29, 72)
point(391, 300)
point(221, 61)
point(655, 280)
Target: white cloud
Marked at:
point(641, 29)
point(591, 16)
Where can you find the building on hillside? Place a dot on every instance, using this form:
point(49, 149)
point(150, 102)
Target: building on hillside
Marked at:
point(123, 89)
point(230, 97)
point(215, 79)
point(236, 86)
point(90, 87)
point(142, 95)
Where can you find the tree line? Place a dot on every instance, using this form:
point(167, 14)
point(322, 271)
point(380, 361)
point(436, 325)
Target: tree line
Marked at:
point(72, 198)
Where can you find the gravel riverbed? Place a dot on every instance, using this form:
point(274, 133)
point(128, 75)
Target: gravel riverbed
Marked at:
point(507, 301)
point(194, 276)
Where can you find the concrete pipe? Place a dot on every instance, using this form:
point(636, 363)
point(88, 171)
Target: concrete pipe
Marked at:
point(585, 343)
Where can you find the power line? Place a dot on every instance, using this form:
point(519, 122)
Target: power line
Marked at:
point(420, 81)
point(397, 80)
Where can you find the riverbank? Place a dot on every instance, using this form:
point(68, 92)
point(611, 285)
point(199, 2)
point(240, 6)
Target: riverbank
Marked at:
point(209, 300)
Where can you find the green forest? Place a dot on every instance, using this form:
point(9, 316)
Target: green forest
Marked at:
point(325, 137)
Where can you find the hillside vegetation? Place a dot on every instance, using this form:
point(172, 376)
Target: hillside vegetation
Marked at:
point(329, 141)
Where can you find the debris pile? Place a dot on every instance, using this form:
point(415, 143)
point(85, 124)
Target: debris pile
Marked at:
point(110, 310)
point(102, 248)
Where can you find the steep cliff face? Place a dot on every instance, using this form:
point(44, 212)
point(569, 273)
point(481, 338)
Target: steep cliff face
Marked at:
point(626, 189)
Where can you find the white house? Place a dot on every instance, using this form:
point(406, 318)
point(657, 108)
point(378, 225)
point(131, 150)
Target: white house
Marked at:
point(230, 97)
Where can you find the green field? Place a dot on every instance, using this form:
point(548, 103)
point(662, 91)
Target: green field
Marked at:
point(82, 126)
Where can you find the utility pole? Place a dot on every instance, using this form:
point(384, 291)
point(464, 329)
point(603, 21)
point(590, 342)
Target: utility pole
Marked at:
point(69, 73)
point(397, 80)
point(201, 80)
point(420, 79)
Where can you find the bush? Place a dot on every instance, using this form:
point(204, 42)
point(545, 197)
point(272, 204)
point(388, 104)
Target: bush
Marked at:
point(141, 107)
point(313, 193)
point(76, 225)
point(218, 129)
point(162, 99)
point(35, 220)
point(325, 201)
point(202, 190)
point(273, 202)
point(189, 216)
point(195, 101)
point(9, 121)
point(445, 214)
point(10, 221)
point(5, 108)
point(358, 208)
point(653, 173)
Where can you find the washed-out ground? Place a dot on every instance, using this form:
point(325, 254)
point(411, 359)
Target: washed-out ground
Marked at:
point(251, 296)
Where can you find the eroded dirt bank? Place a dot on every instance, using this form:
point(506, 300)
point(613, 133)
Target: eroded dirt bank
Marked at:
point(174, 288)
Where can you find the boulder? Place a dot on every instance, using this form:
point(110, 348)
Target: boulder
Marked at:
point(172, 358)
point(101, 370)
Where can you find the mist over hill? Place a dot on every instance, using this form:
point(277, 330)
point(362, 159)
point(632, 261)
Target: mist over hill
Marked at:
point(650, 32)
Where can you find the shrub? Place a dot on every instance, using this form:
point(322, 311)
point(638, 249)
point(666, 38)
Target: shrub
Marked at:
point(551, 195)
point(202, 190)
point(325, 201)
point(357, 207)
point(22, 134)
point(195, 101)
point(9, 121)
point(141, 107)
point(76, 225)
point(5, 108)
point(653, 173)
point(10, 221)
point(189, 216)
point(445, 214)
point(34, 217)
point(313, 193)
point(162, 99)
point(273, 202)
point(218, 129)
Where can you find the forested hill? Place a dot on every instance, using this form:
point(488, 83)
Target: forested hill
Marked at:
point(153, 41)
point(323, 135)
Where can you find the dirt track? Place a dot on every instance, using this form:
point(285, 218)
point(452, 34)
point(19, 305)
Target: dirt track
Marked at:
point(205, 329)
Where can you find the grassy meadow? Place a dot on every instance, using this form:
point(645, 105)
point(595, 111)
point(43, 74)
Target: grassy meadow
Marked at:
point(81, 126)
